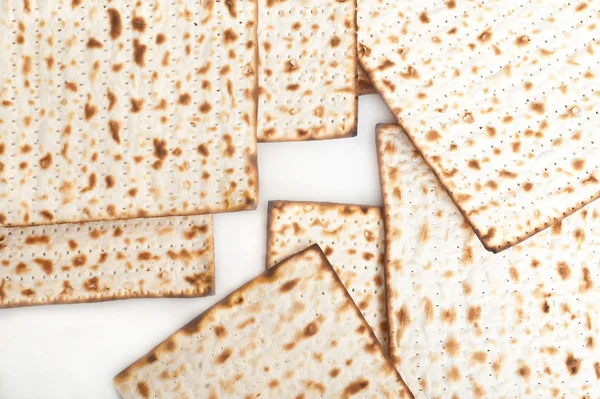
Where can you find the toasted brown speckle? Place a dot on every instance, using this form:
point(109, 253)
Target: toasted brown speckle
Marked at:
point(45, 264)
point(563, 270)
point(222, 358)
point(143, 390)
point(46, 161)
point(116, 27)
point(288, 286)
point(355, 387)
point(573, 364)
point(138, 24)
point(92, 43)
point(229, 36)
point(136, 105)
point(139, 53)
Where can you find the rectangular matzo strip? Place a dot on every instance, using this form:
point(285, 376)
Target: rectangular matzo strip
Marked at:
point(98, 261)
point(352, 238)
point(467, 323)
point(308, 70)
point(500, 97)
point(291, 332)
point(119, 109)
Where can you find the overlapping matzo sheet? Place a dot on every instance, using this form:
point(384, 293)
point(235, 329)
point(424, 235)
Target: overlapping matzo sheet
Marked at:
point(470, 324)
point(352, 238)
point(98, 261)
point(308, 70)
point(291, 332)
point(499, 97)
point(119, 109)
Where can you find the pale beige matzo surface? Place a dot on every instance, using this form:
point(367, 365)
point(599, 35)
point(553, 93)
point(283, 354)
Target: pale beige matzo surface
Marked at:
point(470, 324)
point(119, 109)
point(98, 261)
point(501, 99)
point(308, 70)
point(352, 238)
point(291, 332)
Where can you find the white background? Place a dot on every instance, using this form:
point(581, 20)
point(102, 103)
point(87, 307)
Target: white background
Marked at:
point(73, 351)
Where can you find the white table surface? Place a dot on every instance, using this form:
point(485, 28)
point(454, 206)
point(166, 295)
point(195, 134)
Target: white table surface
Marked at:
point(73, 351)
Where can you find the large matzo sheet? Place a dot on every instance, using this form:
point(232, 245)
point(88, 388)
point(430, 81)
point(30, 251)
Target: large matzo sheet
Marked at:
point(98, 261)
point(470, 324)
point(352, 238)
point(292, 332)
point(501, 99)
point(119, 109)
point(308, 70)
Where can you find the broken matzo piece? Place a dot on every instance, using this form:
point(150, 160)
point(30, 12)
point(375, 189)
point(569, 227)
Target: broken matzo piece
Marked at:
point(98, 261)
point(119, 109)
point(467, 323)
point(308, 70)
point(291, 332)
point(500, 99)
point(352, 238)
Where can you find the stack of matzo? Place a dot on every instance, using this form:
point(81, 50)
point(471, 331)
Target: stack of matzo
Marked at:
point(308, 73)
point(467, 323)
point(351, 237)
point(292, 332)
point(112, 110)
point(500, 97)
point(119, 109)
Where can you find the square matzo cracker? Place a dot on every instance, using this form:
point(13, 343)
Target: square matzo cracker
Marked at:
point(120, 109)
point(500, 97)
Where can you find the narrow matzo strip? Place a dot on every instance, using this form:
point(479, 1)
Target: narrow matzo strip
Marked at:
point(500, 97)
point(467, 323)
point(99, 261)
point(308, 70)
point(291, 332)
point(352, 238)
point(115, 109)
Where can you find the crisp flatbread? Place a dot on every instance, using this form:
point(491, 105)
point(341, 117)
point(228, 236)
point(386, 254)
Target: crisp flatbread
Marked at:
point(115, 109)
point(352, 238)
point(470, 324)
point(98, 261)
point(292, 332)
point(308, 70)
point(499, 97)
point(364, 84)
